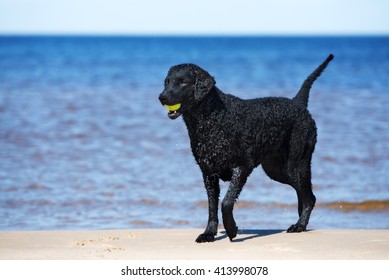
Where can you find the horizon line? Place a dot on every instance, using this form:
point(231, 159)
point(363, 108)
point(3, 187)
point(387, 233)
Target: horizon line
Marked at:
point(199, 34)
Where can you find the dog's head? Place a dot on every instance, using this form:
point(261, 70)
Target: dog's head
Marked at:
point(185, 86)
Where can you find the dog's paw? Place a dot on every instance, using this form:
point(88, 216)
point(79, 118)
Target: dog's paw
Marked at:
point(232, 232)
point(296, 228)
point(205, 237)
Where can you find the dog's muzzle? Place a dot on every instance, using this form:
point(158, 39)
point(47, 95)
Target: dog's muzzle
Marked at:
point(173, 109)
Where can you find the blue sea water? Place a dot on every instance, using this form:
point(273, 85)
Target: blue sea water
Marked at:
point(85, 143)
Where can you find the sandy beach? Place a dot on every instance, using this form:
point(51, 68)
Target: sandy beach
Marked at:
point(178, 244)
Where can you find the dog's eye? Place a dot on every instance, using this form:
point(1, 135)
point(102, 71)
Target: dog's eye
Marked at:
point(182, 82)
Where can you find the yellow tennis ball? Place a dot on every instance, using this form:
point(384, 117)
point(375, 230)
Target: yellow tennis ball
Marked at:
point(174, 107)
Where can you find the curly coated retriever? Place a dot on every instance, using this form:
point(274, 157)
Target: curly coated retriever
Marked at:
point(230, 136)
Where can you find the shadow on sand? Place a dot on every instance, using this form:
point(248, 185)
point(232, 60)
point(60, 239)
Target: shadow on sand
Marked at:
point(246, 234)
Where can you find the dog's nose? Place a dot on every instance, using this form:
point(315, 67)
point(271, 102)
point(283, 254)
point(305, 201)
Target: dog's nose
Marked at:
point(163, 98)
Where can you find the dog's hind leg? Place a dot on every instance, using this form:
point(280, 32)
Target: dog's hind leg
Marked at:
point(301, 181)
point(296, 173)
point(211, 183)
point(239, 178)
point(275, 168)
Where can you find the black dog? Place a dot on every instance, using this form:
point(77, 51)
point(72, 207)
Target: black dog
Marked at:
point(229, 137)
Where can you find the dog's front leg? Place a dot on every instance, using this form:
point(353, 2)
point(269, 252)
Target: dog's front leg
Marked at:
point(211, 183)
point(239, 178)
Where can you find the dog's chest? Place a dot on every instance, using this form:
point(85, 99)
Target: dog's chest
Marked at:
point(213, 146)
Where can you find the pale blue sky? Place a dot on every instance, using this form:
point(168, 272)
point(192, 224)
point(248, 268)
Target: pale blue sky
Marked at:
point(153, 17)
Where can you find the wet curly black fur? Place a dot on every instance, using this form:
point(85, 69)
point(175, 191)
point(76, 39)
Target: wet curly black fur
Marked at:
point(230, 136)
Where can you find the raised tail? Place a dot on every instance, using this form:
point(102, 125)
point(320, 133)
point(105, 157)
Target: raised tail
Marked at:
point(303, 95)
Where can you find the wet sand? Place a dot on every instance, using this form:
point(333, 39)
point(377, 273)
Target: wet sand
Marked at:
point(178, 244)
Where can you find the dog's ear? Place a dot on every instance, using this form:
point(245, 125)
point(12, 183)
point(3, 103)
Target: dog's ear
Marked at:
point(204, 83)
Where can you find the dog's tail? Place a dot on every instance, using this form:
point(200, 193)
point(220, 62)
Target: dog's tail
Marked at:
point(303, 95)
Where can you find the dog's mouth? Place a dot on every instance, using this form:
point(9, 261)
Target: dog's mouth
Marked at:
point(174, 112)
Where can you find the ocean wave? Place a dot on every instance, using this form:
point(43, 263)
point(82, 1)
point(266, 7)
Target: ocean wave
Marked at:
point(344, 206)
point(363, 206)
